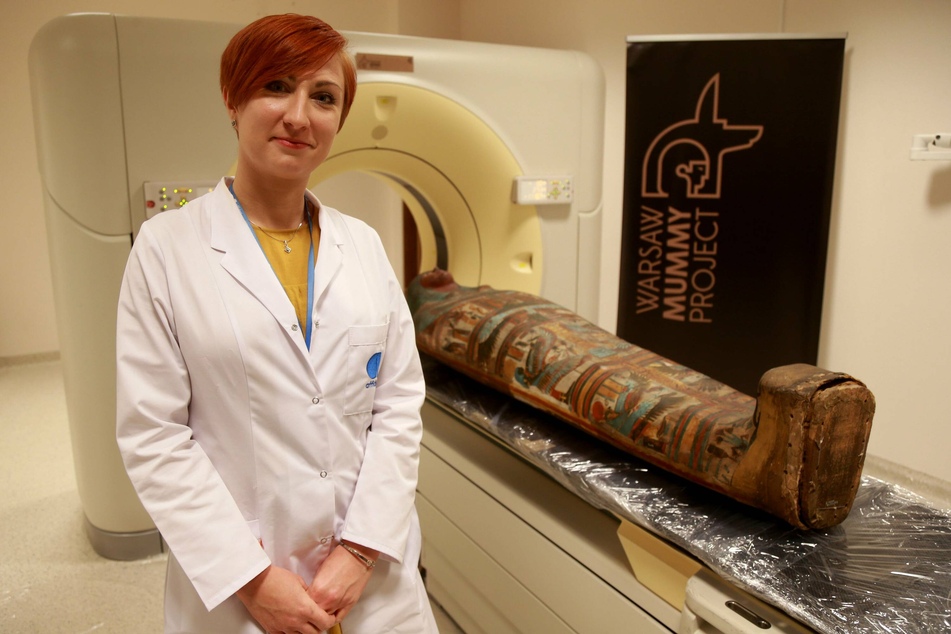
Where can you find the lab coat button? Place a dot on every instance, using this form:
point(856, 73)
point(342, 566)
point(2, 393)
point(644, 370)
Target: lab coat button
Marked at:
point(324, 540)
point(315, 400)
point(323, 474)
point(294, 327)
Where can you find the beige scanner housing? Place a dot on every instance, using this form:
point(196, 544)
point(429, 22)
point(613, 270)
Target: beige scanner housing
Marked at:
point(121, 102)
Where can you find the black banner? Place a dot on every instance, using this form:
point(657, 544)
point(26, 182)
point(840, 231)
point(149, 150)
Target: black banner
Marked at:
point(729, 161)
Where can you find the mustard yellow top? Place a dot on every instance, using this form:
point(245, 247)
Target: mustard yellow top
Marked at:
point(291, 266)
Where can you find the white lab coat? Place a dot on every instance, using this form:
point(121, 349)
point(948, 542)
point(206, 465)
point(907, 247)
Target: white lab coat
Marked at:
point(236, 436)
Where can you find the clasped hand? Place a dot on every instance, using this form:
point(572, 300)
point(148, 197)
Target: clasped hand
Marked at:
point(281, 602)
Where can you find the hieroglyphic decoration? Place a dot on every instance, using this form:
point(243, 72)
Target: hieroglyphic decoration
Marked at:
point(659, 410)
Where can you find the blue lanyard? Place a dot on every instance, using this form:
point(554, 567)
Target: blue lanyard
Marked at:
point(309, 326)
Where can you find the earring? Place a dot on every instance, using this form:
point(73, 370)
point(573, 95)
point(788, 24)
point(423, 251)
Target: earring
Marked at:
point(234, 124)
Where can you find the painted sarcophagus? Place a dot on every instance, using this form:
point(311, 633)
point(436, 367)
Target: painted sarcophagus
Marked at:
point(796, 451)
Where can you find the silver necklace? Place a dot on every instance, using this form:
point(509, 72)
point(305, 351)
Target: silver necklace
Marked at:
point(287, 246)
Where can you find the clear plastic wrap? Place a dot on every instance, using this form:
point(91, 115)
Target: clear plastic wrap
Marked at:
point(886, 568)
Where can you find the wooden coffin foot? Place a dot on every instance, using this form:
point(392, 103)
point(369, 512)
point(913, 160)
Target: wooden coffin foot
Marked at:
point(805, 461)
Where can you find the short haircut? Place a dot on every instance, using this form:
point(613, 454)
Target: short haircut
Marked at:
point(278, 46)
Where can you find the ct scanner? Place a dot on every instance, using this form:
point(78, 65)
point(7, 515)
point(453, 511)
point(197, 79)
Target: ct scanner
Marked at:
point(495, 150)
point(127, 107)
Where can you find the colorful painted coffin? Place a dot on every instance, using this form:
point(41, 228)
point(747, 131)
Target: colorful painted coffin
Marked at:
point(796, 451)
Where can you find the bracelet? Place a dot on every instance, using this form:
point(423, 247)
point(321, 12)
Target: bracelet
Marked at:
point(366, 561)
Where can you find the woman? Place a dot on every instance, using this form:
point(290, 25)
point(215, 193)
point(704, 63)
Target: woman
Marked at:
point(273, 433)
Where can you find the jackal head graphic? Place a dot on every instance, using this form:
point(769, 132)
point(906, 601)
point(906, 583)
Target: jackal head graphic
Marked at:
point(694, 149)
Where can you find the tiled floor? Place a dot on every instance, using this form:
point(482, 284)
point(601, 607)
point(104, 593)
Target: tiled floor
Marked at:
point(51, 580)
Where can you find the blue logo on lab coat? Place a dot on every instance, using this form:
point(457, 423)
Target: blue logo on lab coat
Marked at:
point(373, 365)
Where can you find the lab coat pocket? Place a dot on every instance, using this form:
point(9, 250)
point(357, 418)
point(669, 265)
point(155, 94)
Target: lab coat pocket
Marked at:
point(364, 358)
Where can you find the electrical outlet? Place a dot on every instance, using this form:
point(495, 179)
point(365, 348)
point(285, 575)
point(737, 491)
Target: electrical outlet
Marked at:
point(931, 147)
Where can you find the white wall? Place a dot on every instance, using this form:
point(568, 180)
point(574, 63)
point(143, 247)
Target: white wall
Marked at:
point(888, 293)
point(888, 299)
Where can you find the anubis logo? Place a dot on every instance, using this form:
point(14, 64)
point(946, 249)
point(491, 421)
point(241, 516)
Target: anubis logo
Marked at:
point(699, 145)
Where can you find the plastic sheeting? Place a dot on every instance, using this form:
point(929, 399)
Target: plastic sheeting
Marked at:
point(886, 568)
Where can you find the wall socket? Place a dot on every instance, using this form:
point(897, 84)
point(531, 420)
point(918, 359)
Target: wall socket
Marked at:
point(931, 147)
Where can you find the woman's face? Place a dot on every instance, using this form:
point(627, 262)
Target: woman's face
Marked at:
point(286, 129)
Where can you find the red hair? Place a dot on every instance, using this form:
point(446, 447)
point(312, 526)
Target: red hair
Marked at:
point(278, 46)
